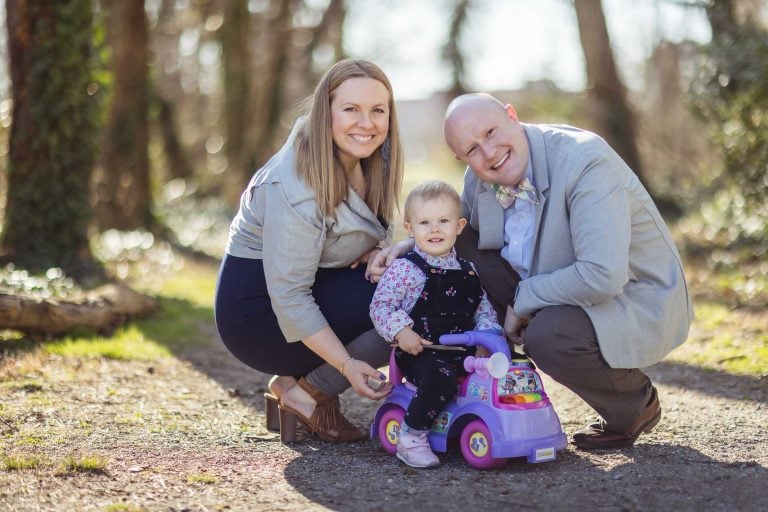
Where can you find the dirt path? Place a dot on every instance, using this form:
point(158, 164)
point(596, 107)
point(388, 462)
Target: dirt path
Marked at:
point(187, 434)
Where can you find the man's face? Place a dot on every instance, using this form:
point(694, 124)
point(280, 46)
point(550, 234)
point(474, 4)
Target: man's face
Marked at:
point(490, 140)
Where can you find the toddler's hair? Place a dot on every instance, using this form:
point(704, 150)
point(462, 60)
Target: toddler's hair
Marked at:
point(429, 190)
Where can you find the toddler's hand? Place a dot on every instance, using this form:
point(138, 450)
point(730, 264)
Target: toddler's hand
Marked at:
point(410, 342)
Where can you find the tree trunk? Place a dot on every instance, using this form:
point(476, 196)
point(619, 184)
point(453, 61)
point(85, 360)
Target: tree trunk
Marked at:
point(51, 149)
point(167, 93)
point(330, 32)
point(722, 19)
point(237, 67)
point(607, 97)
point(452, 49)
point(176, 160)
point(268, 91)
point(100, 310)
point(123, 198)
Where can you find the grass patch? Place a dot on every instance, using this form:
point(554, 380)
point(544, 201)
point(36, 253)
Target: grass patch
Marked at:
point(88, 464)
point(195, 284)
point(127, 343)
point(123, 507)
point(177, 326)
point(30, 441)
point(186, 303)
point(136, 418)
point(201, 478)
point(711, 316)
point(722, 339)
point(26, 386)
point(20, 462)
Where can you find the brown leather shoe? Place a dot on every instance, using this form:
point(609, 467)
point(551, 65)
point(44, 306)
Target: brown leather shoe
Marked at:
point(326, 420)
point(596, 437)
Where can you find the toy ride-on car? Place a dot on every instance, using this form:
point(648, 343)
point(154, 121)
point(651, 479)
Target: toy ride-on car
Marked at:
point(501, 409)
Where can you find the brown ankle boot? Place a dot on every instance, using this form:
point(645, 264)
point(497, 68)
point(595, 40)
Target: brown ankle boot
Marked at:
point(326, 420)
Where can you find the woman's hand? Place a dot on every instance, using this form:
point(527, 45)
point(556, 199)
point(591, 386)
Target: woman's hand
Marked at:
point(379, 263)
point(357, 373)
point(366, 258)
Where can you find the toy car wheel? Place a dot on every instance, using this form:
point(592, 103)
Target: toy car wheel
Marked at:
point(389, 428)
point(476, 443)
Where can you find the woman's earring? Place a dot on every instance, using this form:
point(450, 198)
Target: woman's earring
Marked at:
point(385, 153)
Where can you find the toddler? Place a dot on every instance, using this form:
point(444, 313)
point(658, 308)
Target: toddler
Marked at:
point(422, 295)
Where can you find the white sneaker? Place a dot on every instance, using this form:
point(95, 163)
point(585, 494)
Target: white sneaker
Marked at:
point(413, 449)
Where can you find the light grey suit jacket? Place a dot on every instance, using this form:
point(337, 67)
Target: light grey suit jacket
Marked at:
point(600, 244)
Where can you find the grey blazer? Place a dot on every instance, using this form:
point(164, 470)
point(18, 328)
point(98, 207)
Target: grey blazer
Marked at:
point(278, 222)
point(600, 244)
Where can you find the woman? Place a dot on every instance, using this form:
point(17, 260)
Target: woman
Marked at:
point(293, 291)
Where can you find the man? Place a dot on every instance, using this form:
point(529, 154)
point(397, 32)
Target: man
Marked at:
point(601, 289)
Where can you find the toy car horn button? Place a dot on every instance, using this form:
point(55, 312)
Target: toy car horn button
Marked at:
point(496, 366)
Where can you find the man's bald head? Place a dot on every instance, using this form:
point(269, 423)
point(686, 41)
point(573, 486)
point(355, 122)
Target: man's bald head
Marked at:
point(467, 102)
point(487, 135)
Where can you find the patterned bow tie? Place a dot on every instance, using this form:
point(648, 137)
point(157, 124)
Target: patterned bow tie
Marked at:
point(507, 194)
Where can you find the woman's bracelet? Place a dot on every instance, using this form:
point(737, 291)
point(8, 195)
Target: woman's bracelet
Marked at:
point(344, 364)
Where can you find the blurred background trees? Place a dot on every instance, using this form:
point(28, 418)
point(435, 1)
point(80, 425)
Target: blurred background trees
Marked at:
point(153, 115)
point(122, 197)
point(607, 101)
point(730, 95)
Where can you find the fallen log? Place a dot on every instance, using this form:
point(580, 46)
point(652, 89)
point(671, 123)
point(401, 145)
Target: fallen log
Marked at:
point(100, 310)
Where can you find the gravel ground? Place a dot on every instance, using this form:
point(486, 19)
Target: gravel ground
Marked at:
point(188, 434)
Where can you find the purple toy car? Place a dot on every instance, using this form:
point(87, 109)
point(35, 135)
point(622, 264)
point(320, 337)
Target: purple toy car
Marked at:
point(500, 411)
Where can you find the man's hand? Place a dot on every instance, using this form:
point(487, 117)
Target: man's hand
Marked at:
point(410, 342)
point(514, 326)
point(381, 261)
point(366, 258)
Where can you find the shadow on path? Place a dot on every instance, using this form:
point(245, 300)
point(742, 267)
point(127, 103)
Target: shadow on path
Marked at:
point(710, 382)
point(649, 476)
point(646, 477)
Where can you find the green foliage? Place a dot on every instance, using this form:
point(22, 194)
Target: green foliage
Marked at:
point(127, 343)
point(201, 478)
point(123, 507)
point(19, 462)
point(730, 91)
point(30, 441)
point(735, 344)
point(93, 464)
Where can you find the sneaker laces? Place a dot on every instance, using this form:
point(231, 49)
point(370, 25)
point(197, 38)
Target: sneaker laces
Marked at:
point(415, 440)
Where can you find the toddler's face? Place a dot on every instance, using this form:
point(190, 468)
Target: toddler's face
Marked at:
point(434, 224)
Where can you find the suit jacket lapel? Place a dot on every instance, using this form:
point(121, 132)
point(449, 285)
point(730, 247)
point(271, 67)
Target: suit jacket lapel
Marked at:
point(491, 232)
point(541, 182)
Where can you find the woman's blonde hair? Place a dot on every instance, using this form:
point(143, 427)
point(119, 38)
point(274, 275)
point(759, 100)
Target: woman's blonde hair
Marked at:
point(317, 163)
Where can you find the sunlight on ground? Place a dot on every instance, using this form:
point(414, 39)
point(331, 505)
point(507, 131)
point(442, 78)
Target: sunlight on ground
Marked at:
point(195, 283)
point(186, 302)
point(726, 340)
point(127, 343)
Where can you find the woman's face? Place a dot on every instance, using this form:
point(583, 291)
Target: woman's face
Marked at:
point(359, 118)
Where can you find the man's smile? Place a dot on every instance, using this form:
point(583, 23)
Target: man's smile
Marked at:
point(500, 162)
